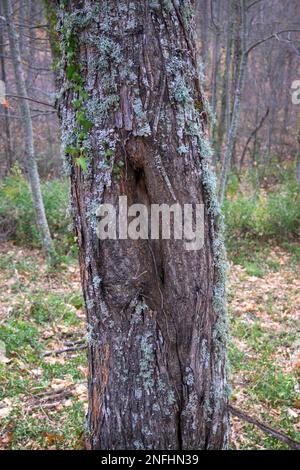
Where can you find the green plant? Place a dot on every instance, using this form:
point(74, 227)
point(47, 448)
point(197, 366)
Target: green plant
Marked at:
point(17, 213)
point(19, 335)
point(260, 215)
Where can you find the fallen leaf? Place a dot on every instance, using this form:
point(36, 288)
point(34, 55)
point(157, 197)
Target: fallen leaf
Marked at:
point(3, 358)
point(6, 439)
point(59, 383)
point(292, 413)
point(81, 392)
point(53, 438)
point(5, 407)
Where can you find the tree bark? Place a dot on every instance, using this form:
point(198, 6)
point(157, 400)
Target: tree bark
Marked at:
point(156, 312)
point(8, 137)
point(28, 132)
point(215, 54)
point(297, 159)
point(232, 132)
point(225, 113)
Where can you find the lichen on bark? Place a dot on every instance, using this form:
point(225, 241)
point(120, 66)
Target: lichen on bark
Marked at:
point(157, 319)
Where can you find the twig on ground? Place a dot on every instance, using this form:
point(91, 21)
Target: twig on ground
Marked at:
point(278, 435)
point(45, 405)
point(41, 399)
point(49, 392)
point(73, 343)
point(60, 351)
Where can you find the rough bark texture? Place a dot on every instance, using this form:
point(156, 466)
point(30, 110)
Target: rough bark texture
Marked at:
point(155, 312)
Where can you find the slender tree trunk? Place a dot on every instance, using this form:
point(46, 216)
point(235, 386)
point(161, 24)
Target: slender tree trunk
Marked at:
point(203, 19)
point(236, 50)
point(232, 133)
point(155, 311)
point(268, 155)
point(254, 148)
point(215, 16)
point(31, 52)
point(224, 119)
point(8, 138)
point(287, 80)
point(297, 159)
point(28, 132)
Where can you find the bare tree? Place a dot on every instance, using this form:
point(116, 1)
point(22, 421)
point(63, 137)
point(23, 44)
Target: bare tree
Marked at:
point(232, 131)
point(8, 136)
point(28, 132)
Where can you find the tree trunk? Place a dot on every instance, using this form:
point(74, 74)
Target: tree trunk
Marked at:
point(232, 132)
point(28, 132)
point(297, 159)
point(8, 137)
point(215, 55)
point(224, 117)
point(155, 311)
point(203, 21)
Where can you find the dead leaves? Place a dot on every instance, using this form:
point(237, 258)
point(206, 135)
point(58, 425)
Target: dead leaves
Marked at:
point(273, 304)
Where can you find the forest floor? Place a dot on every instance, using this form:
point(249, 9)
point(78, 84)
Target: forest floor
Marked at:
point(43, 389)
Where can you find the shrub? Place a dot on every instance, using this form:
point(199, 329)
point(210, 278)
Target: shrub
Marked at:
point(264, 215)
point(18, 217)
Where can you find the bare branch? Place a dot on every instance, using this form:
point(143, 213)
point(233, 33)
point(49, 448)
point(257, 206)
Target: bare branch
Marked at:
point(277, 434)
point(272, 36)
point(253, 4)
point(30, 99)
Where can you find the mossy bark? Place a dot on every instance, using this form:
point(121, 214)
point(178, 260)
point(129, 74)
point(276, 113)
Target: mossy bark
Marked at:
point(155, 311)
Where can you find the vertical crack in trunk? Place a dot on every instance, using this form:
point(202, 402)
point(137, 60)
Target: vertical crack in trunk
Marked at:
point(155, 310)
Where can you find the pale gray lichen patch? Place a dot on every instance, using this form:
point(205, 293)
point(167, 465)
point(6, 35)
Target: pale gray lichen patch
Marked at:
point(138, 445)
point(146, 373)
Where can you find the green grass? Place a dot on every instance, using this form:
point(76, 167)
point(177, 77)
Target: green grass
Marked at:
point(256, 257)
point(293, 249)
point(266, 382)
point(40, 319)
point(256, 222)
point(18, 334)
point(64, 430)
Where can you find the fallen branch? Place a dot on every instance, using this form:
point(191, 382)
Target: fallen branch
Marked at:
point(278, 435)
point(51, 394)
point(48, 406)
point(60, 351)
point(51, 398)
point(30, 99)
point(73, 343)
